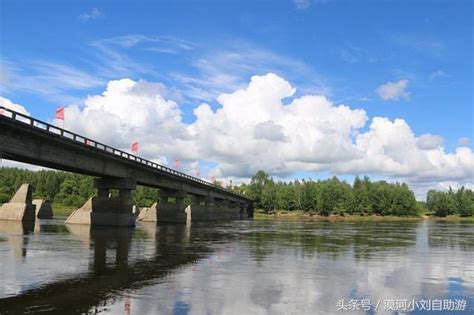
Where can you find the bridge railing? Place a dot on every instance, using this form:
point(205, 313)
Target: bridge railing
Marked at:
point(8, 113)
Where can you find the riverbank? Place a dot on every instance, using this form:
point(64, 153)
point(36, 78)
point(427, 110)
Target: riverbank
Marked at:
point(311, 216)
point(62, 211)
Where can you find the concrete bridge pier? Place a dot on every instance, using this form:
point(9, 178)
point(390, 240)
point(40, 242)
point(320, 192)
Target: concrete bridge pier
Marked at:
point(44, 210)
point(201, 208)
point(234, 211)
point(107, 210)
point(20, 207)
point(207, 208)
point(226, 210)
point(242, 210)
point(171, 212)
point(250, 210)
point(149, 214)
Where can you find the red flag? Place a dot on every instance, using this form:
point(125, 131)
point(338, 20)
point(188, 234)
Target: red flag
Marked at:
point(89, 142)
point(197, 173)
point(127, 305)
point(60, 113)
point(135, 147)
point(177, 163)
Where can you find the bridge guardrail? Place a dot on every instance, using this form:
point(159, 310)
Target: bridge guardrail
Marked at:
point(14, 115)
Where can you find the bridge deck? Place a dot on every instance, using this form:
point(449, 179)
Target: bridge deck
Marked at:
point(29, 140)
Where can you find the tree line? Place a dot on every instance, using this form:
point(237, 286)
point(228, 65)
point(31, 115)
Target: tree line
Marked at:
point(443, 203)
point(62, 188)
point(363, 197)
point(325, 197)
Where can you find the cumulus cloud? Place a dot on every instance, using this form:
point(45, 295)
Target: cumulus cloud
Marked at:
point(390, 148)
point(9, 104)
point(270, 131)
point(392, 91)
point(263, 126)
point(129, 111)
point(429, 141)
point(310, 125)
point(464, 141)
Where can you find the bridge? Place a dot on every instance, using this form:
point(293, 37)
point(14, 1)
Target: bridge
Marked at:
point(29, 140)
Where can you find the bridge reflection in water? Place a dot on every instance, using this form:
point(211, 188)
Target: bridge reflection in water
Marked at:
point(239, 267)
point(111, 270)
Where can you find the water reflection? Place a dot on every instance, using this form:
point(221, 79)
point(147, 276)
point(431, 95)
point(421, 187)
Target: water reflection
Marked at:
point(110, 272)
point(17, 235)
point(362, 240)
point(232, 268)
point(453, 235)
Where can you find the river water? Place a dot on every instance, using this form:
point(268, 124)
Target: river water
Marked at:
point(242, 267)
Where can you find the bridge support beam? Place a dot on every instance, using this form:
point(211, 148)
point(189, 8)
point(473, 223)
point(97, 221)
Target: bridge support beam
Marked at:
point(20, 207)
point(210, 209)
point(107, 210)
point(199, 210)
point(44, 210)
point(250, 210)
point(230, 210)
point(169, 212)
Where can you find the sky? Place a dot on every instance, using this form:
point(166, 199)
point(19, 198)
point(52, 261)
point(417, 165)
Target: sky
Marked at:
point(298, 88)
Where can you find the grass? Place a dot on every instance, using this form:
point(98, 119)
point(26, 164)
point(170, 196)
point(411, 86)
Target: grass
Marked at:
point(60, 210)
point(299, 215)
point(450, 218)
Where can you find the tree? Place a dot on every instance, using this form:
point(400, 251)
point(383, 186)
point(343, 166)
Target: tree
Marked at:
point(269, 196)
point(145, 196)
point(404, 201)
point(438, 202)
point(361, 202)
point(256, 186)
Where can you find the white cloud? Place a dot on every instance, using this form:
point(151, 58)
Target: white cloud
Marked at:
point(464, 141)
point(390, 148)
point(429, 141)
point(129, 111)
point(270, 131)
point(223, 71)
point(315, 130)
point(393, 90)
point(207, 73)
point(431, 47)
point(302, 4)
point(14, 164)
point(263, 126)
point(437, 75)
point(93, 14)
point(9, 104)
point(4, 76)
point(53, 80)
point(305, 4)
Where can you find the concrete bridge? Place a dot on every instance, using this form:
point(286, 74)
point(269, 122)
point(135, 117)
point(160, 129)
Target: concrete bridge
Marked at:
point(29, 140)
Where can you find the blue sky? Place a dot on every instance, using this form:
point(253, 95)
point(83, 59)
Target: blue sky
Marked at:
point(58, 52)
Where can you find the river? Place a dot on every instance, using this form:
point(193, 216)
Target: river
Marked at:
point(241, 267)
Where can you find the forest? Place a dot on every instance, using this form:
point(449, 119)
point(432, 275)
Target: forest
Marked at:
point(324, 197)
point(62, 188)
point(363, 197)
